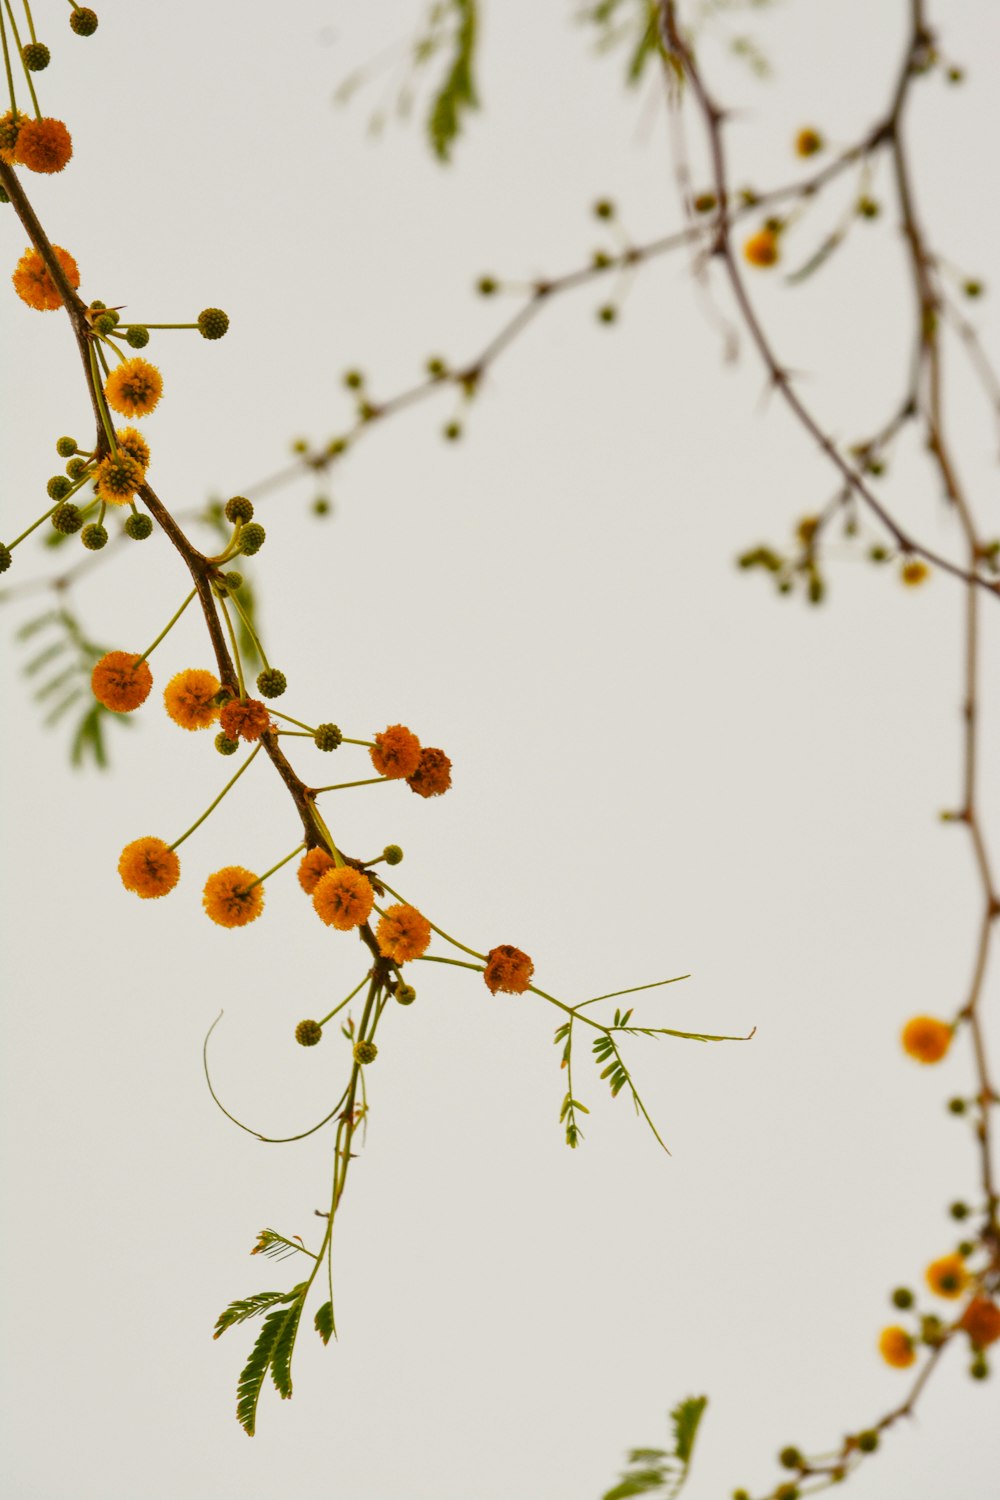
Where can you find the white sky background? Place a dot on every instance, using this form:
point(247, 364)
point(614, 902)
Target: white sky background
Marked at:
point(660, 768)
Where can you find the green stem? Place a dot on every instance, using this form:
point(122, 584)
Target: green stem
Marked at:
point(439, 930)
point(287, 719)
point(6, 63)
point(249, 628)
point(34, 525)
point(274, 868)
point(341, 786)
point(169, 625)
point(102, 407)
point(31, 23)
point(456, 963)
point(213, 805)
point(157, 325)
point(335, 853)
point(235, 648)
point(350, 997)
point(20, 53)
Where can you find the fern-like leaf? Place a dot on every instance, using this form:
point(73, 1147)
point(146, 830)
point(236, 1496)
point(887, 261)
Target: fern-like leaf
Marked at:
point(323, 1322)
point(256, 1367)
point(249, 1307)
point(281, 1357)
point(686, 1417)
point(457, 93)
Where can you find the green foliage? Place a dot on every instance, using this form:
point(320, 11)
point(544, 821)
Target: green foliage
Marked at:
point(276, 1246)
point(73, 657)
point(272, 1351)
point(657, 1469)
point(249, 1307)
point(457, 93)
point(632, 23)
point(323, 1322)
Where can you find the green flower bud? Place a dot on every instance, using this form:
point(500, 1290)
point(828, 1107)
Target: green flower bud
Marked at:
point(233, 581)
point(58, 487)
point(327, 737)
point(212, 323)
point(239, 508)
point(365, 1052)
point(354, 380)
point(604, 209)
point(902, 1298)
point(36, 56)
point(66, 518)
point(959, 1210)
point(83, 20)
point(271, 683)
point(66, 447)
point(452, 432)
point(867, 1441)
point(487, 286)
point(790, 1458)
point(5, 558)
point(392, 854)
point(76, 466)
point(979, 1369)
point(94, 537)
point(608, 313)
point(137, 337)
point(252, 538)
point(956, 1106)
point(105, 323)
point(405, 993)
point(321, 506)
point(138, 527)
point(436, 366)
point(225, 745)
point(308, 1033)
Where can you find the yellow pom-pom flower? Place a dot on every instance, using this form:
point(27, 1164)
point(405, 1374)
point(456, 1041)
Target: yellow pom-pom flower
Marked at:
point(189, 698)
point(947, 1276)
point(231, 898)
point(896, 1347)
point(149, 867)
point(343, 898)
point(914, 573)
point(926, 1038)
point(761, 249)
point(403, 933)
point(117, 478)
point(134, 387)
point(35, 286)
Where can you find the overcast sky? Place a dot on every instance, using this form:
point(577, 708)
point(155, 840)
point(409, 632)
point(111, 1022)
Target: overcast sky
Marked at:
point(660, 769)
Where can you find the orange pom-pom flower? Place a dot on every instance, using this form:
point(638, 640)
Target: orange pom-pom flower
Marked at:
point(134, 387)
point(896, 1347)
point(343, 898)
point(43, 145)
point(947, 1276)
point(403, 933)
point(761, 249)
point(396, 752)
point(926, 1038)
point(189, 698)
point(508, 969)
point(981, 1321)
point(231, 898)
point(313, 865)
point(121, 681)
point(244, 718)
point(149, 867)
point(432, 777)
point(35, 286)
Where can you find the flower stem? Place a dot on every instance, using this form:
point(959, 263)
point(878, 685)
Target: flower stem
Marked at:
point(169, 625)
point(341, 786)
point(274, 868)
point(249, 629)
point(440, 931)
point(340, 1007)
point(213, 805)
point(235, 647)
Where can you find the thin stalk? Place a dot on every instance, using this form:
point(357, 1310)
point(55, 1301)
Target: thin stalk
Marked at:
point(6, 63)
point(169, 625)
point(249, 629)
point(27, 74)
point(341, 786)
point(350, 997)
point(235, 648)
point(439, 930)
point(274, 868)
point(213, 805)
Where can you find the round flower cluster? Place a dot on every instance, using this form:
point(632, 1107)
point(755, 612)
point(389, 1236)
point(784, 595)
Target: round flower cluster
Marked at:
point(35, 286)
point(398, 755)
point(189, 698)
point(121, 681)
point(343, 898)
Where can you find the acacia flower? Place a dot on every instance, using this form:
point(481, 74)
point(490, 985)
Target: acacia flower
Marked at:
point(34, 285)
point(403, 933)
point(134, 387)
point(121, 681)
point(134, 444)
point(432, 778)
point(231, 898)
point(914, 573)
point(313, 864)
point(508, 969)
point(761, 249)
point(896, 1347)
point(189, 698)
point(926, 1038)
point(808, 142)
point(343, 898)
point(117, 478)
point(244, 718)
point(981, 1321)
point(149, 867)
point(396, 752)
point(947, 1276)
point(43, 145)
